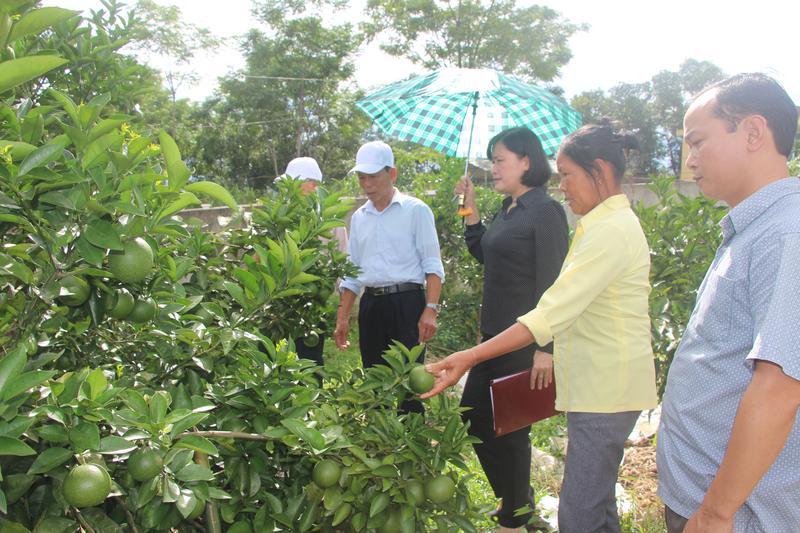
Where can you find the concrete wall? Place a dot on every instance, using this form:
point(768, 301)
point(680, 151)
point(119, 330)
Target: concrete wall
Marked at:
point(216, 218)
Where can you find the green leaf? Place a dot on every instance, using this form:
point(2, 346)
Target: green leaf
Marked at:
point(198, 444)
point(10, 267)
point(68, 105)
point(115, 445)
point(194, 472)
point(55, 524)
point(96, 152)
point(10, 367)
point(177, 172)
point(158, 404)
point(16, 447)
point(379, 503)
point(19, 150)
point(103, 235)
point(49, 459)
point(91, 253)
point(184, 200)
point(309, 435)
point(18, 71)
point(104, 126)
point(35, 21)
point(186, 503)
point(215, 191)
point(97, 383)
point(27, 381)
point(44, 154)
point(187, 422)
point(85, 436)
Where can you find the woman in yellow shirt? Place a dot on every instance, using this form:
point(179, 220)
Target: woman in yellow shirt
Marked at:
point(596, 313)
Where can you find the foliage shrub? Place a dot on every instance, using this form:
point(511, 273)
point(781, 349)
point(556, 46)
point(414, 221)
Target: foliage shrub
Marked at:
point(207, 382)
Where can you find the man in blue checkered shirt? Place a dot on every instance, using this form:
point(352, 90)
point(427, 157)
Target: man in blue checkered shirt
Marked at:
point(729, 441)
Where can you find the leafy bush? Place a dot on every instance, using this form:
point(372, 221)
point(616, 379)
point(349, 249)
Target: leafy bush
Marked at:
point(180, 358)
point(683, 234)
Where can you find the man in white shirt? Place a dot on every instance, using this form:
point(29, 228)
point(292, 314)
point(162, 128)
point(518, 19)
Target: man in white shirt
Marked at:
point(393, 241)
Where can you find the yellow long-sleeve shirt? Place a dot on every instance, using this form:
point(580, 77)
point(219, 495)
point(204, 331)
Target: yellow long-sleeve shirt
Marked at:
point(597, 313)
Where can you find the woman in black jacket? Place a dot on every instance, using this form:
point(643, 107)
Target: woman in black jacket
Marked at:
point(522, 252)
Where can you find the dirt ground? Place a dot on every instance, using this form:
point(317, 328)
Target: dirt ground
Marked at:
point(639, 476)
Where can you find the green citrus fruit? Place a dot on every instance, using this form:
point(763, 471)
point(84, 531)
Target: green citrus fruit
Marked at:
point(415, 491)
point(311, 339)
point(326, 473)
point(420, 380)
point(133, 263)
point(145, 464)
point(73, 291)
point(86, 485)
point(143, 311)
point(123, 305)
point(242, 526)
point(440, 489)
point(199, 507)
point(392, 524)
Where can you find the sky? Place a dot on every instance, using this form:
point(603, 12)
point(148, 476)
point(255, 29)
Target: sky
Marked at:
point(628, 41)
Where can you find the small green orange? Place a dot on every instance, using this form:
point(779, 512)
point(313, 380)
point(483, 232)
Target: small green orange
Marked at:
point(326, 473)
point(392, 524)
point(143, 311)
point(420, 380)
point(440, 489)
point(86, 485)
point(133, 263)
point(73, 291)
point(123, 305)
point(311, 339)
point(145, 464)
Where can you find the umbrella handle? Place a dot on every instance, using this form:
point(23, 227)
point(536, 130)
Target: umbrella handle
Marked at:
point(461, 210)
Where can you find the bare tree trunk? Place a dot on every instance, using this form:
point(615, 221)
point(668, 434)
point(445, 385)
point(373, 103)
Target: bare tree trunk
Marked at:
point(301, 111)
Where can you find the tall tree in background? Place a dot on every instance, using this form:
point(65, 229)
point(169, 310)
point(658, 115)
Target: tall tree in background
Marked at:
point(291, 99)
point(531, 42)
point(654, 110)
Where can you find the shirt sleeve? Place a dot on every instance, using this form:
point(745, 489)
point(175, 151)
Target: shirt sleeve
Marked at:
point(473, 234)
point(427, 242)
point(352, 284)
point(551, 240)
point(774, 285)
point(597, 259)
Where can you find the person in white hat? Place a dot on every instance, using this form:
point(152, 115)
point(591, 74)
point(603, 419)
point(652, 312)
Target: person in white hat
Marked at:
point(307, 170)
point(393, 241)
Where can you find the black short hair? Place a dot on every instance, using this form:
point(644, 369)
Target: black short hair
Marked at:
point(524, 143)
point(591, 142)
point(753, 93)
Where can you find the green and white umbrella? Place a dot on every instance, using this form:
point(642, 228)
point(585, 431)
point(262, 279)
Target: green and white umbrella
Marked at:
point(457, 110)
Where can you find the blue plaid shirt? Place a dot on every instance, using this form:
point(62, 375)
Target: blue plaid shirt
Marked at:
point(747, 309)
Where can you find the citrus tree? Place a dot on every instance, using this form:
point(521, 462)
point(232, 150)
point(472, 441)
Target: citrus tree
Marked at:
point(140, 385)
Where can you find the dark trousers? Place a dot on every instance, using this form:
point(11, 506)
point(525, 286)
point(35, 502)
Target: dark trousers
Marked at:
point(675, 522)
point(506, 460)
point(385, 319)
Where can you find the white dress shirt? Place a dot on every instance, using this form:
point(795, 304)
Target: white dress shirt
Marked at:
point(396, 245)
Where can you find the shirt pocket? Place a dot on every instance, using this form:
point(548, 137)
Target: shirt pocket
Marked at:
point(714, 316)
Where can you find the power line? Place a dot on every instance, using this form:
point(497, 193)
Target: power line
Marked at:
point(282, 78)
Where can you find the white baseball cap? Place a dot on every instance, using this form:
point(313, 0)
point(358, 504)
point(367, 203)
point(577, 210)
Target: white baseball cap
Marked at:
point(304, 168)
point(373, 157)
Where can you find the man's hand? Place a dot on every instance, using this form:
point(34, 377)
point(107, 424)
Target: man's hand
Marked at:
point(427, 325)
point(448, 371)
point(542, 371)
point(705, 521)
point(341, 332)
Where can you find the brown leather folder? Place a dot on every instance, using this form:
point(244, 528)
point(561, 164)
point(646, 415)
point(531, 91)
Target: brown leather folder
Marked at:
point(515, 405)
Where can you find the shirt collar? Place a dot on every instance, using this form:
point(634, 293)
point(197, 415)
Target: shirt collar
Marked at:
point(397, 198)
point(526, 199)
point(756, 204)
point(604, 210)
